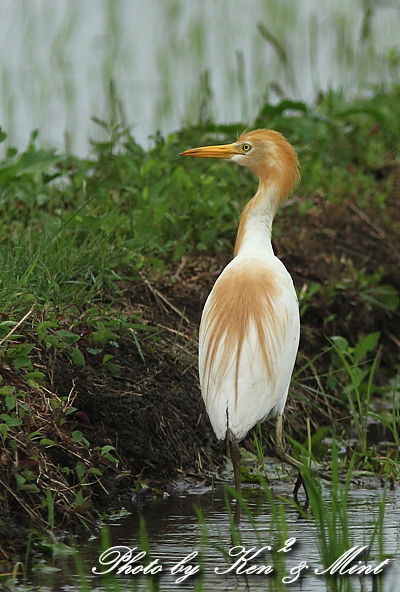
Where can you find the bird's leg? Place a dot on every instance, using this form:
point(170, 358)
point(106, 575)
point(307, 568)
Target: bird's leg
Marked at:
point(236, 458)
point(284, 457)
point(279, 449)
point(299, 483)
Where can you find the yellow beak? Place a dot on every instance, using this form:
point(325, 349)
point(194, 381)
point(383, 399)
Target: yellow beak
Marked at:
point(223, 151)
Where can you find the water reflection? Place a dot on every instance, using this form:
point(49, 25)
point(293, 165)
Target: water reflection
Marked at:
point(197, 522)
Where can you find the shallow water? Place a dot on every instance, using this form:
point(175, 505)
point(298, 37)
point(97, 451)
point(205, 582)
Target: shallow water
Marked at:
point(173, 532)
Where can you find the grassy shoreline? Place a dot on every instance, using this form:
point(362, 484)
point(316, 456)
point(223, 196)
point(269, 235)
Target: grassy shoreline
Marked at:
point(106, 264)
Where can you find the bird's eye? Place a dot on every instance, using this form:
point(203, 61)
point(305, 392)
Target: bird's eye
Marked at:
point(246, 147)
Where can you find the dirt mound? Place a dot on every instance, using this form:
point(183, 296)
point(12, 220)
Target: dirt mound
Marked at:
point(153, 410)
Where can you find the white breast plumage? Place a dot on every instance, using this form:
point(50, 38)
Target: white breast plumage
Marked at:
point(249, 334)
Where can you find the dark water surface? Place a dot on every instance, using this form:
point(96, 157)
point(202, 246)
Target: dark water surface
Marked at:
point(174, 531)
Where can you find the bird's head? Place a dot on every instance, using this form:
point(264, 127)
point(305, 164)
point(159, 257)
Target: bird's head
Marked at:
point(264, 152)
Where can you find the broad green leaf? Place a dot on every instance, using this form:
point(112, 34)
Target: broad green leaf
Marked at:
point(77, 357)
point(11, 421)
point(46, 442)
point(22, 362)
point(7, 390)
point(10, 402)
point(365, 345)
point(80, 470)
point(340, 343)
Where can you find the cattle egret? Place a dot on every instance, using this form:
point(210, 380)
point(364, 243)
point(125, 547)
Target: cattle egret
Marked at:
point(250, 327)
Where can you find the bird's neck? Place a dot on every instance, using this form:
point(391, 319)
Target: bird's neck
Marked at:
point(254, 232)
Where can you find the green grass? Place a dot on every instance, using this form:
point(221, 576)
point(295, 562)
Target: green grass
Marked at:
point(72, 227)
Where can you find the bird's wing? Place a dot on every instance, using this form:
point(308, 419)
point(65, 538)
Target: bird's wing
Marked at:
point(248, 341)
